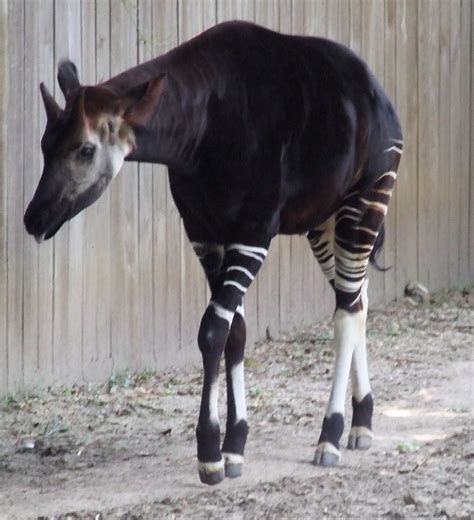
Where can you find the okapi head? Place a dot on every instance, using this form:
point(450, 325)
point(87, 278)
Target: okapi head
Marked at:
point(84, 146)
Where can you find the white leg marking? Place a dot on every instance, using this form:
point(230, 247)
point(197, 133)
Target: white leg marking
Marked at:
point(242, 270)
point(359, 368)
point(361, 431)
point(391, 174)
point(223, 313)
point(211, 467)
point(240, 310)
point(378, 206)
point(238, 389)
point(237, 285)
point(248, 249)
point(233, 458)
point(347, 328)
point(394, 149)
point(327, 447)
point(214, 402)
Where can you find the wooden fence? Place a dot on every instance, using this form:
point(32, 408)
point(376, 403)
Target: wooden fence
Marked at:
point(119, 287)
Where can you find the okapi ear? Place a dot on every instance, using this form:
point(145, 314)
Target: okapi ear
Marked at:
point(78, 113)
point(52, 108)
point(142, 109)
point(68, 78)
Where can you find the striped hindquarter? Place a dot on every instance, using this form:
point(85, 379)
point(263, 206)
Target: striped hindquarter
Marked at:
point(343, 246)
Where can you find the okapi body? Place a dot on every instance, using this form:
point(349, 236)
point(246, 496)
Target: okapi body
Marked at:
point(263, 134)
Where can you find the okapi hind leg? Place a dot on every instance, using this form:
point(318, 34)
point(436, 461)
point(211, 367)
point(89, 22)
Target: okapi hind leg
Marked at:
point(360, 436)
point(357, 226)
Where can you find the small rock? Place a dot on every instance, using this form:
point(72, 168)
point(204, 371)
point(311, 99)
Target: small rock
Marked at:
point(409, 500)
point(418, 292)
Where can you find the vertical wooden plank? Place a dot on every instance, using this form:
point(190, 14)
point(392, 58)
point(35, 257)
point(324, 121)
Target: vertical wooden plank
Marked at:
point(343, 22)
point(355, 26)
point(333, 19)
point(194, 17)
point(166, 231)
point(466, 64)
point(95, 289)
point(68, 241)
point(390, 75)
point(455, 105)
point(145, 212)
point(372, 50)
point(46, 67)
point(15, 165)
point(89, 275)
point(267, 14)
point(235, 10)
point(471, 171)
point(4, 78)
point(124, 209)
point(407, 106)
point(31, 151)
point(444, 111)
point(100, 282)
point(428, 67)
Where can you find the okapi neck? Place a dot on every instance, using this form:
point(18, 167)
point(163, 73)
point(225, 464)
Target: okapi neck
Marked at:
point(173, 134)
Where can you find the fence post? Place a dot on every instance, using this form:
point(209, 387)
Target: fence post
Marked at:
point(4, 71)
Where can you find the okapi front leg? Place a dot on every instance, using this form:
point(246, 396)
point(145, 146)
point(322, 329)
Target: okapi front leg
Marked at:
point(241, 264)
point(236, 427)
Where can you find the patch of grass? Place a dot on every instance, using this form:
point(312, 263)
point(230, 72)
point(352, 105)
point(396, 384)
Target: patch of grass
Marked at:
point(19, 401)
point(250, 362)
point(121, 379)
point(255, 392)
point(407, 447)
point(144, 376)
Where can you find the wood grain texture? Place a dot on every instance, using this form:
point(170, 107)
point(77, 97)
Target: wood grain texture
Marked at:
point(372, 50)
point(4, 80)
point(466, 65)
point(406, 266)
point(124, 210)
point(119, 287)
point(444, 152)
point(15, 163)
point(390, 85)
point(455, 105)
point(428, 143)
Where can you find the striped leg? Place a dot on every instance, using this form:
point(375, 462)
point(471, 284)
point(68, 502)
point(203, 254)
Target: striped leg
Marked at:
point(240, 265)
point(360, 436)
point(357, 225)
point(321, 240)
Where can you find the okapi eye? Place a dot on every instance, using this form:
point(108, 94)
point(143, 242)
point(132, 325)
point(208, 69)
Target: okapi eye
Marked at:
point(86, 152)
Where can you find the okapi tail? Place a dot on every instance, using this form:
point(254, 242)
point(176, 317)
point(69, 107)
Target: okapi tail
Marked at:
point(379, 241)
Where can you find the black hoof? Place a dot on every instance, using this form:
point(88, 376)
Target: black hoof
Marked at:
point(211, 473)
point(211, 479)
point(326, 455)
point(360, 438)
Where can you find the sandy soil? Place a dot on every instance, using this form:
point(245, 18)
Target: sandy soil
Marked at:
point(126, 449)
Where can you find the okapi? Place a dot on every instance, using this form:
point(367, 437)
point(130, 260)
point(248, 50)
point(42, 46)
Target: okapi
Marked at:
point(263, 133)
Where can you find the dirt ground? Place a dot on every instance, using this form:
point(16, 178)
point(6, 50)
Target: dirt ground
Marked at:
point(126, 449)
